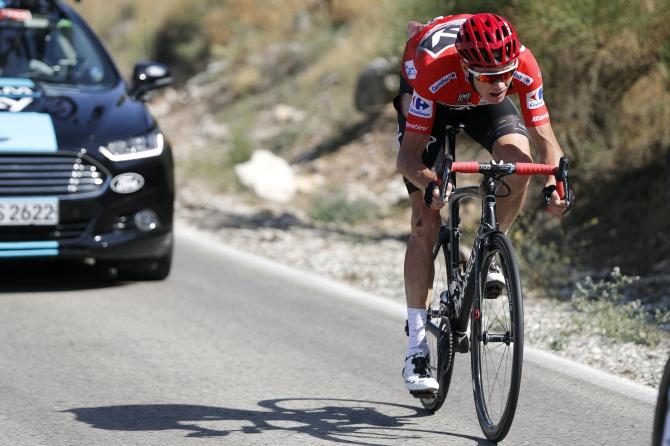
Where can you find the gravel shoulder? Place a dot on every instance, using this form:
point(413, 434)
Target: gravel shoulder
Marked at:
point(375, 264)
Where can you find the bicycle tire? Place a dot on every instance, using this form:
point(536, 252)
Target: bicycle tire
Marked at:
point(661, 432)
point(488, 333)
point(438, 333)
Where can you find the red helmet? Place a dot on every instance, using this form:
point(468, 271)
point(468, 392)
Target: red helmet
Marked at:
point(487, 40)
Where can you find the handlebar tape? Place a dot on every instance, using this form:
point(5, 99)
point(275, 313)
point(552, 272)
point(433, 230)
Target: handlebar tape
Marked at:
point(465, 167)
point(534, 169)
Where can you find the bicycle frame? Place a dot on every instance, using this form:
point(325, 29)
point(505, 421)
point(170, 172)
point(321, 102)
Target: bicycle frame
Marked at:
point(464, 289)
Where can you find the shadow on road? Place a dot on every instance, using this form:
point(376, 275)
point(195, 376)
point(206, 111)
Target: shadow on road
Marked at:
point(44, 275)
point(337, 420)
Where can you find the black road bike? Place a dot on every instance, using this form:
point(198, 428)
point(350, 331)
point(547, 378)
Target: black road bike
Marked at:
point(465, 312)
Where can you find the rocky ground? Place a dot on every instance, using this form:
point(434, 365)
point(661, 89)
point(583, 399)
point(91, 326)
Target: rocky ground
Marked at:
point(375, 264)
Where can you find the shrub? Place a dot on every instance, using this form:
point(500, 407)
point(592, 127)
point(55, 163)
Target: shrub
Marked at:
point(543, 260)
point(336, 208)
point(602, 306)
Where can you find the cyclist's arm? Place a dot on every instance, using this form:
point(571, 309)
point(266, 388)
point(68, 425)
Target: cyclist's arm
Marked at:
point(550, 152)
point(409, 161)
point(410, 164)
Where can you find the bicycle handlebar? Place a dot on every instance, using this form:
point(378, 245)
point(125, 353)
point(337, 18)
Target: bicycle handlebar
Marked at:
point(560, 172)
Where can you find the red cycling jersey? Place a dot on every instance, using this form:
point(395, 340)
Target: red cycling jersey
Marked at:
point(432, 67)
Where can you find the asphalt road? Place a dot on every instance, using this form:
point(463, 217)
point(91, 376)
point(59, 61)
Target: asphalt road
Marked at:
point(232, 351)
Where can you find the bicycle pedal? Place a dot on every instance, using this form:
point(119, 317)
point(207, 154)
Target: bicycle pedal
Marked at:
point(423, 393)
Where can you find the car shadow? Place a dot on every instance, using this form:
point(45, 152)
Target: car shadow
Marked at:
point(49, 275)
point(338, 420)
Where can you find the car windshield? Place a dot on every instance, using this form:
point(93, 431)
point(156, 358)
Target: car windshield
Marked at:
point(49, 47)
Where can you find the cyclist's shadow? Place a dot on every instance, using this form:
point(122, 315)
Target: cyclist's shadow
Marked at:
point(338, 420)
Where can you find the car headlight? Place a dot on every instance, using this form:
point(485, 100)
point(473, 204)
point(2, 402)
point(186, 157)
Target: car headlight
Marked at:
point(144, 146)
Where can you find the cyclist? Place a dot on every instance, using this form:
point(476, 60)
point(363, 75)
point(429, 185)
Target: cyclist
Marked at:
point(461, 68)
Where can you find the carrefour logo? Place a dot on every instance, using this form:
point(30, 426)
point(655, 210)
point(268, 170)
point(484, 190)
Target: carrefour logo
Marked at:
point(535, 99)
point(421, 104)
point(421, 107)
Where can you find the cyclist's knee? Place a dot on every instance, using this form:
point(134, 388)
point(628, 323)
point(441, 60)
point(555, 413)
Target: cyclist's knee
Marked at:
point(512, 148)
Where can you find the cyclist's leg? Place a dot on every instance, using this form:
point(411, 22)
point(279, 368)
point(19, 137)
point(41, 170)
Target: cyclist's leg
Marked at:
point(425, 225)
point(500, 129)
point(512, 148)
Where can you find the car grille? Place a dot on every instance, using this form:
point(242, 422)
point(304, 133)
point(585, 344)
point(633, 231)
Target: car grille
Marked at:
point(53, 174)
point(61, 232)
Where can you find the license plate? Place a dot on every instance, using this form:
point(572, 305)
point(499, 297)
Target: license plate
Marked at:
point(41, 211)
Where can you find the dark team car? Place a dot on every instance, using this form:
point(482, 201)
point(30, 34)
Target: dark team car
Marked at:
point(85, 172)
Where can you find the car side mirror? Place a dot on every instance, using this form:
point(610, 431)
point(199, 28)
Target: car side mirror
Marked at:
point(148, 76)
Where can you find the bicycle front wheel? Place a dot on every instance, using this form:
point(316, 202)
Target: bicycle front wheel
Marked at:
point(497, 338)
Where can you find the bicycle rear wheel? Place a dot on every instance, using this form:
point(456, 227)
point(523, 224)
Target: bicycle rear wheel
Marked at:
point(438, 329)
point(497, 341)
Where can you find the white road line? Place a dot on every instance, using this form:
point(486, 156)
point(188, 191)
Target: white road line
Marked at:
point(397, 310)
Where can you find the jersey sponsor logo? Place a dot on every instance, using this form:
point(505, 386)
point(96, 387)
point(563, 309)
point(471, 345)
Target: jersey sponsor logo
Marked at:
point(540, 117)
point(523, 77)
point(464, 97)
point(417, 127)
point(421, 107)
point(440, 38)
point(442, 82)
point(535, 99)
point(410, 70)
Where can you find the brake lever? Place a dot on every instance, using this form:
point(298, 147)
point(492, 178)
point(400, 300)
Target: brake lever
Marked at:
point(446, 177)
point(563, 184)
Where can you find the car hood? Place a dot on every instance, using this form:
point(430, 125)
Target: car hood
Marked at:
point(40, 117)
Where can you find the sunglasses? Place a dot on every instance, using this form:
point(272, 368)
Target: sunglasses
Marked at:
point(495, 77)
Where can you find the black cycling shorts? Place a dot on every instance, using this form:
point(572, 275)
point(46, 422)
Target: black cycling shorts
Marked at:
point(483, 123)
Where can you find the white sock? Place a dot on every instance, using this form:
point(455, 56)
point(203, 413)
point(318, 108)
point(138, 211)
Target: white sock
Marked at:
point(416, 320)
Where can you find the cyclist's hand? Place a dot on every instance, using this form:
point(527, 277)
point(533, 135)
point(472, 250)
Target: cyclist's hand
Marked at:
point(413, 28)
point(432, 196)
point(555, 205)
